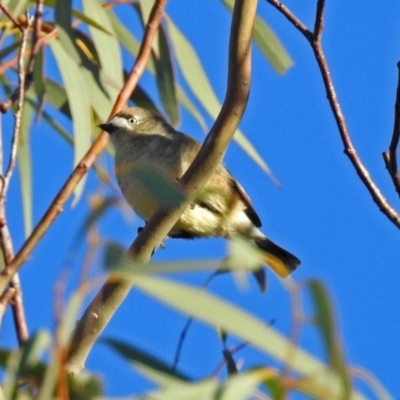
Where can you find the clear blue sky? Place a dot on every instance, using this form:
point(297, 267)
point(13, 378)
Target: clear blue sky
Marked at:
point(322, 213)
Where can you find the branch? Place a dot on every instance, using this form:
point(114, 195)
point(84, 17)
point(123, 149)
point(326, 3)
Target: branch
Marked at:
point(390, 157)
point(6, 243)
point(87, 161)
point(11, 17)
point(211, 153)
point(314, 38)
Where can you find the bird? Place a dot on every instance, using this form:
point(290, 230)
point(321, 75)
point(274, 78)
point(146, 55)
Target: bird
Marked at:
point(143, 138)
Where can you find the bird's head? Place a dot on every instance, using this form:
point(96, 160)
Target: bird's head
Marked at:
point(136, 120)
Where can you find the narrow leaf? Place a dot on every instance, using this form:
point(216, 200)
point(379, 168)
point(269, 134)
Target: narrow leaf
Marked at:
point(196, 78)
point(137, 355)
point(325, 321)
point(75, 87)
point(25, 166)
point(268, 43)
point(223, 315)
point(165, 77)
point(63, 19)
point(90, 21)
point(107, 47)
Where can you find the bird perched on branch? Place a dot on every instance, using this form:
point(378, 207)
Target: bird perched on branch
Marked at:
point(143, 139)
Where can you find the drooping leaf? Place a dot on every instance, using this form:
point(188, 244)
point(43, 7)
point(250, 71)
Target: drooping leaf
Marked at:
point(25, 166)
point(132, 45)
point(144, 14)
point(38, 78)
point(63, 19)
point(76, 90)
point(107, 47)
point(90, 21)
point(325, 321)
point(196, 78)
point(165, 77)
point(188, 104)
point(268, 43)
point(137, 355)
point(223, 315)
point(56, 96)
point(158, 184)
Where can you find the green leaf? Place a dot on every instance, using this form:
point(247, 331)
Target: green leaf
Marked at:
point(16, 7)
point(136, 356)
point(144, 12)
point(33, 351)
point(25, 166)
point(63, 19)
point(268, 43)
point(90, 21)
point(165, 77)
point(158, 184)
point(197, 80)
point(56, 96)
point(132, 45)
point(107, 47)
point(126, 38)
point(191, 108)
point(114, 261)
point(325, 321)
point(38, 77)
point(6, 51)
point(223, 315)
point(76, 90)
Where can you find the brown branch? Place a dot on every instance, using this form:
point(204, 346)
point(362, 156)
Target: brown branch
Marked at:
point(11, 17)
point(390, 157)
point(115, 290)
point(319, 20)
point(37, 42)
point(314, 39)
point(18, 114)
point(87, 161)
point(5, 236)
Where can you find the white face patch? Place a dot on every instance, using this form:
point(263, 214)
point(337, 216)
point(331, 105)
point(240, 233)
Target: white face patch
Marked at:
point(120, 122)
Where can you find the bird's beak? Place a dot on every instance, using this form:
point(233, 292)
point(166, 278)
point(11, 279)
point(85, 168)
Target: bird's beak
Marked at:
point(110, 128)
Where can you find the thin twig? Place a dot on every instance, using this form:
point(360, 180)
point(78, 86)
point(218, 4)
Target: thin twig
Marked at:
point(11, 17)
point(315, 41)
point(5, 236)
point(390, 157)
point(18, 114)
point(291, 17)
point(319, 20)
point(5, 299)
point(87, 161)
point(185, 330)
point(114, 291)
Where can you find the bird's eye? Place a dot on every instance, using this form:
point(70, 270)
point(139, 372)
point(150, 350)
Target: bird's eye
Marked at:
point(132, 121)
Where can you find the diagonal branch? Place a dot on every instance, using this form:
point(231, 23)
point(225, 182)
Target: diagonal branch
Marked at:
point(112, 294)
point(87, 161)
point(6, 243)
point(390, 157)
point(314, 38)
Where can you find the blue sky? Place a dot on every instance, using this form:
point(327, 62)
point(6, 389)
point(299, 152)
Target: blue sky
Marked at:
point(322, 213)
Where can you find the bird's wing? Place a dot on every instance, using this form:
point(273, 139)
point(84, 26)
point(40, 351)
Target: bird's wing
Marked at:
point(249, 210)
point(221, 181)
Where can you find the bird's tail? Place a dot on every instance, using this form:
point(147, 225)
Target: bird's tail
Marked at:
point(280, 260)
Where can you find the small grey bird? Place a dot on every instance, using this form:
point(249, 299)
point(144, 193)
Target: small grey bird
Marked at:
point(142, 137)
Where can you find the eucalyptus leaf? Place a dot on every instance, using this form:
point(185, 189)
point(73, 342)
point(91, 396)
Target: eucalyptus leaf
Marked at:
point(25, 166)
point(196, 78)
point(75, 87)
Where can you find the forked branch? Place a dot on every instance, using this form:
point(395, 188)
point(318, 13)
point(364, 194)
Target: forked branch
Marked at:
point(314, 38)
